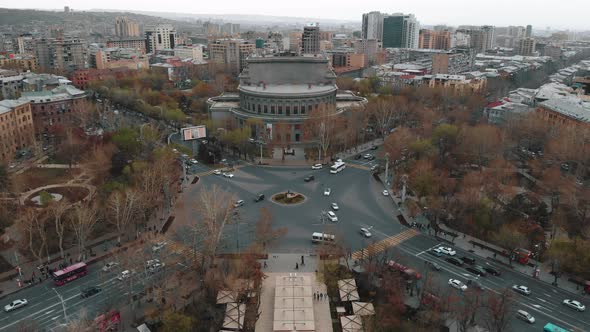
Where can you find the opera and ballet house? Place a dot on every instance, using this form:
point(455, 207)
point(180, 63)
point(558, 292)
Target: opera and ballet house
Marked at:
point(282, 88)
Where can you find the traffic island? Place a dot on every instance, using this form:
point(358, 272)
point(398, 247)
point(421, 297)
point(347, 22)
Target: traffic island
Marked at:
point(289, 198)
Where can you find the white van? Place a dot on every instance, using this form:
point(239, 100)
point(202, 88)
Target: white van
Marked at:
point(322, 238)
point(521, 314)
point(239, 203)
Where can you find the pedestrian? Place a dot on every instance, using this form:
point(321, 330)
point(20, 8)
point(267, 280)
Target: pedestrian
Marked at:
point(71, 261)
point(296, 266)
point(265, 265)
point(321, 296)
point(302, 261)
point(326, 296)
point(314, 296)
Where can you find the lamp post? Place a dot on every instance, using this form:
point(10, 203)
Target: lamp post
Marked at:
point(63, 304)
point(387, 168)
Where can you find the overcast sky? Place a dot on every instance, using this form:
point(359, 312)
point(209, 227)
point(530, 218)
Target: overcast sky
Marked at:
point(574, 14)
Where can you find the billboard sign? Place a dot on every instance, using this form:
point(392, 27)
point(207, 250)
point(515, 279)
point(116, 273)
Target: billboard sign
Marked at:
point(192, 133)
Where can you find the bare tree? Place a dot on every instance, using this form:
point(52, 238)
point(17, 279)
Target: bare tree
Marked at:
point(123, 207)
point(500, 308)
point(57, 210)
point(320, 127)
point(82, 221)
point(32, 225)
point(265, 234)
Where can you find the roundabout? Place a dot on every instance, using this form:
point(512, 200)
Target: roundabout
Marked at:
point(289, 198)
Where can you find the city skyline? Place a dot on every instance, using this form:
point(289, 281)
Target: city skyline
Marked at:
point(455, 12)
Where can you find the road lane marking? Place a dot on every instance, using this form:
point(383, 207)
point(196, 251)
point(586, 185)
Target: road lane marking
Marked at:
point(385, 244)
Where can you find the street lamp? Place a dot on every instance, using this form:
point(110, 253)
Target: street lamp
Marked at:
point(63, 304)
point(387, 168)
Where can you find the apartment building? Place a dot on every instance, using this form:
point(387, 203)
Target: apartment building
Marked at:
point(231, 52)
point(16, 128)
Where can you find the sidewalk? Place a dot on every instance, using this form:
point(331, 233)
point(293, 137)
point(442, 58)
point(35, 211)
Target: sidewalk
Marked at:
point(469, 243)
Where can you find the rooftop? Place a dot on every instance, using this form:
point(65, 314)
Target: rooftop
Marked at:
point(8, 104)
point(64, 92)
point(571, 107)
point(287, 89)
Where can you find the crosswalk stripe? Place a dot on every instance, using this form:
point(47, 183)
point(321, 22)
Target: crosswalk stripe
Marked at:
point(209, 172)
point(386, 243)
point(358, 166)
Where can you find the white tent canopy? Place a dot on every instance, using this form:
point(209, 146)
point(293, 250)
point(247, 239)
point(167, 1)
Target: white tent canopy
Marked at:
point(363, 308)
point(351, 323)
point(234, 316)
point(347, 289)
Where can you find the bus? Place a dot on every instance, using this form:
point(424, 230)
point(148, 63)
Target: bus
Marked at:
point(338, 166)
point(553, 328)
point(70, 273)
point(522, 255)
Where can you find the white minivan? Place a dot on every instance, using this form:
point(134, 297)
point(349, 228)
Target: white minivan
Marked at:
point(521, 314)
point(322, 238)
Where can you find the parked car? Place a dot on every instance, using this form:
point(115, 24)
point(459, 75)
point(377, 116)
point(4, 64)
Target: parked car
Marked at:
point(88, 292)
point(109, 266)
point(335, 207)
point(474, 284)
point(316, 166)
point(327, 192)
point(217, 172)
point(365, 232)
point(457, 284)
point(309, 178)
point(358, 156)
point(436, 252)
point(521, 289)
point(239, 203)
point(15, 305)
point(385, 193)
point(228, 175)
point(577, 305)
point(367, 156)
point(156, 267)
point(332, 216)
point(125, 274)
point(158, 246)
point(374, 147)
point(371, 158)
point(448, 251)
point(521, 314)
point(468, 260)
point(434, 266)
point(491, 270)
point(259, 197)
point(454, 261)
point(193, 161)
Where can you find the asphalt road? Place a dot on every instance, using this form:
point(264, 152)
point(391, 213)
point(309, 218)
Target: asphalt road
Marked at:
point(45, 308)
point(358, 195)
point(544, 303)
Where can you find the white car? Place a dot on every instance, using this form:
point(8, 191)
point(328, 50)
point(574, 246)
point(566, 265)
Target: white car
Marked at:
point(316, 166)
point(327, 192)
point(228, 175)
point(574, 304)
point(385, 193)
point(365, 232)
point(184, 155)
point(193, 161)
point(335, 207)
point(457, 284)
point(15, 305)
point(125, 275)
point(447, 251)
point(158, 246)
point(152, 262)
point(332, 216)
point(367, 156)
point(217, 172)
point(109, 266)
point(524, 290)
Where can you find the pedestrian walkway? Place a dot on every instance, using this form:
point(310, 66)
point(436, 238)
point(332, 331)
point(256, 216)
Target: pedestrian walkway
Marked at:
point(365, 168)
point(385, 244)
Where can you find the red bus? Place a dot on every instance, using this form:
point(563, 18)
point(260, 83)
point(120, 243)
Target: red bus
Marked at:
point(522, 255)
point(70, 273)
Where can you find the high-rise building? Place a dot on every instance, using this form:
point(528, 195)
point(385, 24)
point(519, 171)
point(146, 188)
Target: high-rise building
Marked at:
point(310, 40)
point(431, 39)
point(125, 27)
point(526, 46)
point(61, 54)
point(160, 37)
point(400, 31)
point(489, 37)
point(231, 52)
point(529, 31)
point(372, 27)
point(461, 38)
point(369, 47)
